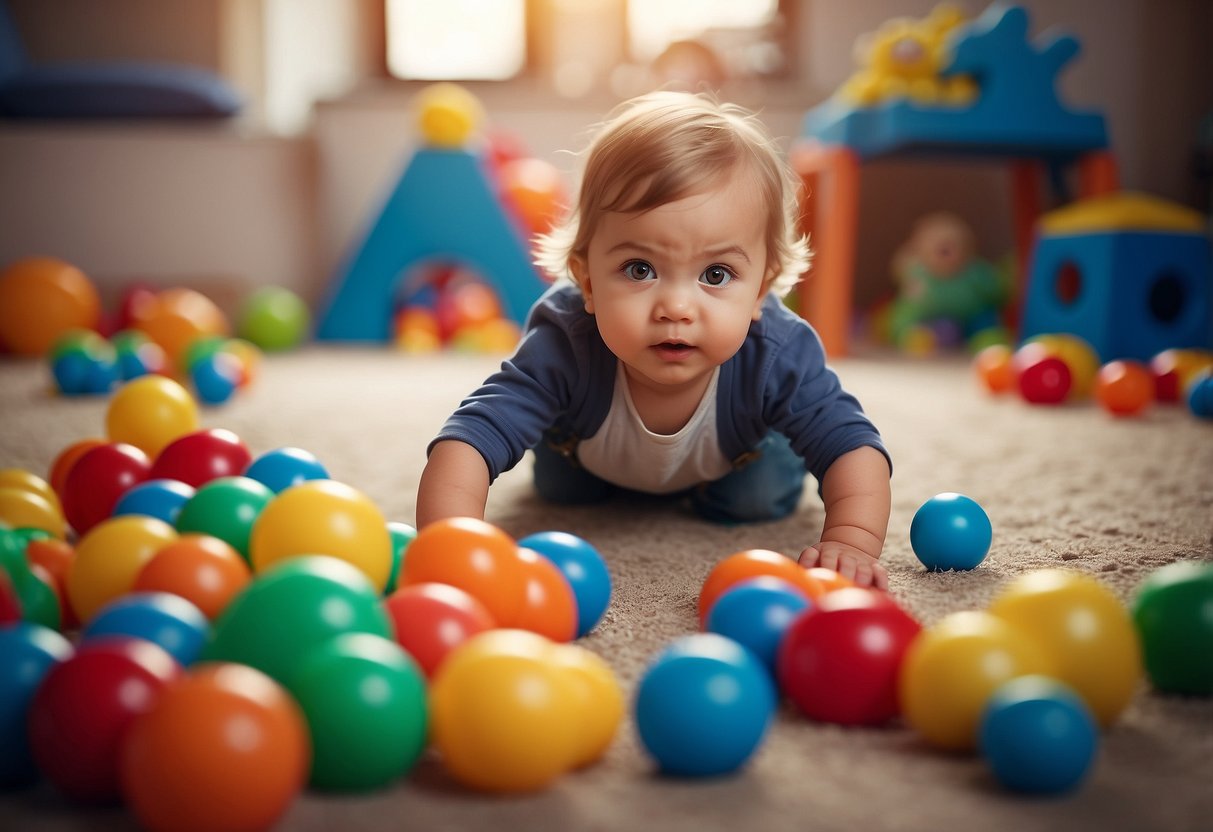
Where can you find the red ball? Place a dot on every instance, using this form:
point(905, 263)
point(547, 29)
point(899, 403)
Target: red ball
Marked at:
point(432, 619)
point(197, 458)
point(98, 480)
point(81, 712)
point(840, 660)
point(1046, 381)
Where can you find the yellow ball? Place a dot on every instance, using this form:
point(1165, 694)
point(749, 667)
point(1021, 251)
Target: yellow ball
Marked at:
point(109, 559)
point(150, 412)
point(1085, 631)
point(31, 482)
point(448, 115)
point(950, 671)
point(323, 517)
point(22, 509)
point(504, 714)
point(1078, 356)
point(600, 700)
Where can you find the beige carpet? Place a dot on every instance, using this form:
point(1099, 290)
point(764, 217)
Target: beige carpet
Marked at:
point(1063, 487)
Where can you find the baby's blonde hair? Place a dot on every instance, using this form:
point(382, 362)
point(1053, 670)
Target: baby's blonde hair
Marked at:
point(665, 146)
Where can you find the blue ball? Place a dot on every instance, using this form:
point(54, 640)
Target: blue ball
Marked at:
point(582, 567)
point(215, 378)
point(281, 468)
point(1200, 397)
point(756, 613)
point(165, 619)
point(161, 499)
point(703, 706)
point(950, 531)
point(71, 373)
point(27, 652)
point(1038, 736)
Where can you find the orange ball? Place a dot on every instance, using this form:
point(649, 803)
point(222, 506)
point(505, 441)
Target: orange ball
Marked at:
point(473, 555)
point(178, 317)
point(1124, 388)
point(223, 749)
point(828, 579)
point(62, 464)
point(534, 189)
point(202, 569)
point(548, 605)
point(41, 298)
point(993, 368)
point(753, 563)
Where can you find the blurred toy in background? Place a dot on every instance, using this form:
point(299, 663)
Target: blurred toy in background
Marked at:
point(449, 305)
point(903, 59)
point(274, 319)
point(945, 292)
point(41, 299)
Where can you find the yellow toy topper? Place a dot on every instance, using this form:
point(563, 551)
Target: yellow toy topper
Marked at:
point(902, 59)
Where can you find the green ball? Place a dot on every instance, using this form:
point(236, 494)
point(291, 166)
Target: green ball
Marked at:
point(274, 318)
point(39, 602)
point(200, 349)
point(290, 609)
point(402, 535)
point(365, 702)
point(225, 508)
point(83, 341)
point(1173, 612)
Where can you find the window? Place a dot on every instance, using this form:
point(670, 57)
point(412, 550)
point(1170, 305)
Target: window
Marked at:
point(433, 40)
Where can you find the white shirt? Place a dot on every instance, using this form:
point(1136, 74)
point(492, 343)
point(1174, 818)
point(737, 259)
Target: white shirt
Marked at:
point(628, 454)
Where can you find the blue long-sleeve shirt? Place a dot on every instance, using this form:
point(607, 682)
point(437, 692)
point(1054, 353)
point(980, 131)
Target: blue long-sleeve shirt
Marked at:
point(562, 376)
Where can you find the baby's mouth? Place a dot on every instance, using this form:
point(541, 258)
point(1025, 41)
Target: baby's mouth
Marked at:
point(673, 349)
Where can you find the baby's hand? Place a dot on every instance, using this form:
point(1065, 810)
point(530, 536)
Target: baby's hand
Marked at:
point(847, 561)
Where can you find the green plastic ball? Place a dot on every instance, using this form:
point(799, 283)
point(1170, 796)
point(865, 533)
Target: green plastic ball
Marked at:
point(226, 508)
point(402, 535)
point(274, 319)
point(1173, 611)
point(365, 702)
point(290, 609)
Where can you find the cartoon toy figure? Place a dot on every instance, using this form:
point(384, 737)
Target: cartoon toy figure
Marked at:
point(943, 287)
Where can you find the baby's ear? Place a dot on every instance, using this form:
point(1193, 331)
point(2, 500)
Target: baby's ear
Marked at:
point(581, 276)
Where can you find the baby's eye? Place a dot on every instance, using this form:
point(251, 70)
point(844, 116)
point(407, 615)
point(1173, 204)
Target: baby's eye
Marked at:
point(716, 275)
point(639, 270)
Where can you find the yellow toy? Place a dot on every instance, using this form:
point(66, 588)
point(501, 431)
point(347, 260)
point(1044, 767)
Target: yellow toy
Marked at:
point(902, 59)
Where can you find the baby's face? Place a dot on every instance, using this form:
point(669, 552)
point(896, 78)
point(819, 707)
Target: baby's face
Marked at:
point(674, 289)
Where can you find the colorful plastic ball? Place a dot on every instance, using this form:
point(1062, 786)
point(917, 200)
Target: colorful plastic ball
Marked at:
point(1083, 629)
point(473, 555)
point(466, 304)
point(55, 557)
point(703, 706)
point(950, 671)
point(10, 604)
point(1079, 357)
point(534, 190)
point(137, 355)
point(82, 710)
point(499, 336)
point(993, 368)
point(757, 613)
point(402, 534)
point(87, 365)
point(20, 508)
point(504, 715)
point(223, 749)
point(1045, 381)
point(162, 499)
point(274, 319)
point(752, 563)
point(1038, 736)
point(430, 620)
point(27, 653)
point(416, 330)
point(110, 557)
point(98, 480)
point(177, 317)
point(202, 569)
point(1174, 369)
point(583, 567)
point(1124, 388)
point(840, 660)
point(159, 617)
point(547, 606)
point(448, 115)
point(600, 700)
point(199, 457)
point(294, 606)
point(248, 356)
point(1173, 613)
point(216, 378)
point(150, 413)
point(227, 508)
point(38, 595)
point(65, 459)
point(828, 579)
point(1200, 396)
point(323, 517)
point(950, 531)
point(199, 349)
point(40, 299)
point(281, 468)
point(365, 703)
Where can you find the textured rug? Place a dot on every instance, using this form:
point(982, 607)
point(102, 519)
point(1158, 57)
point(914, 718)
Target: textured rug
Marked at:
point(1064, 487)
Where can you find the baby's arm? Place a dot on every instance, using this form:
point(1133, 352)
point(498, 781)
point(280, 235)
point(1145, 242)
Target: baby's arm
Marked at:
point(855, 490)
point(455, 483)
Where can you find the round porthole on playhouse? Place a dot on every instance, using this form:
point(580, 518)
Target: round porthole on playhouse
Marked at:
point(1130, 274)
